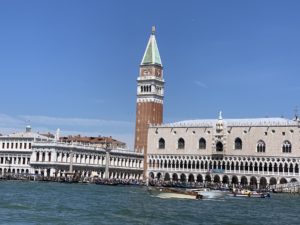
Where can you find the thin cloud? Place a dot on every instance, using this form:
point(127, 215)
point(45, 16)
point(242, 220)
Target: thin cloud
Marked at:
point(200, 84)
point(99, 101)
point(6, 120)
point(73, 121)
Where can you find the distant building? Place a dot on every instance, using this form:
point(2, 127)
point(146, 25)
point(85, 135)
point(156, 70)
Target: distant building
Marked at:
point(257, 152)
point(27, 153)
point(15, 151)
point(85, 159)
point(102, 142)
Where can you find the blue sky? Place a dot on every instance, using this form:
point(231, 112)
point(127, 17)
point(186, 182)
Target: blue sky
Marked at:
point(73, 64)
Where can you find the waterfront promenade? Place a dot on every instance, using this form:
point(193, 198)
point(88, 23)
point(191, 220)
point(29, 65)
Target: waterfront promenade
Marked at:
point(293, 188)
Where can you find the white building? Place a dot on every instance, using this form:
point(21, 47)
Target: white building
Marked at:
point(28, 153)
point(258, 152)
point(15, 152)
point(57, 159)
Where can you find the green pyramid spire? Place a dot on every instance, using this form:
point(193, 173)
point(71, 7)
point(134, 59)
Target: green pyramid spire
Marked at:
point(151, 55)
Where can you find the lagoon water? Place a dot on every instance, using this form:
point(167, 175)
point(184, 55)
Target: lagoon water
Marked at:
point(59, 203)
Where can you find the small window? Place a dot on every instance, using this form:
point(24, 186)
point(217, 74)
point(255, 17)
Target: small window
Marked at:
point(202, 143)
point(161, 143)
point(181, 143)
point(238, 145)
point(286, 147)
point(261, 146)
point(283, 133)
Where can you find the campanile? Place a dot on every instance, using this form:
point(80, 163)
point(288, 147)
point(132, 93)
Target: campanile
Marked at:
point(150, 94)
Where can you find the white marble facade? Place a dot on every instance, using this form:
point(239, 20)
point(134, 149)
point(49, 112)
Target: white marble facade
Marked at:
point(28, 153)
point(259, 151)
point(56, 159)
point(15, 152)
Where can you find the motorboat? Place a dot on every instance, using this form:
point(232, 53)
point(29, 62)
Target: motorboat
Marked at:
point(249, 194)
point(163, 192)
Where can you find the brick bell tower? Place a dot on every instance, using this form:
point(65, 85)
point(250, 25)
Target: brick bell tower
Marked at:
point(150, 94)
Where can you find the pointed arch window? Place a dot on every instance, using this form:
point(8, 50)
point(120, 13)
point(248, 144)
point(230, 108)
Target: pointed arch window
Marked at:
point(219, 147)
point(261, 146)
point(286, 147)
point(238, 144)
point(161, 143)
point(202, 143)
point(181, 143)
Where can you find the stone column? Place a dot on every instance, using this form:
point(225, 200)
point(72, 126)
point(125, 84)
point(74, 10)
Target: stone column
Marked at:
point(71, 155)
point(53, 156)
point(294, 172)
point(33, 156)
point(52, 172)
point(46, 157)
point(107, 159)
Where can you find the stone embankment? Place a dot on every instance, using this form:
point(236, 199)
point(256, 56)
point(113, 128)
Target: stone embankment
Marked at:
point(71, 179)
point(293, 187)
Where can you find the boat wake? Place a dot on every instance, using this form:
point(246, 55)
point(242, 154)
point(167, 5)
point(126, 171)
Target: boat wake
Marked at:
point(174, 195)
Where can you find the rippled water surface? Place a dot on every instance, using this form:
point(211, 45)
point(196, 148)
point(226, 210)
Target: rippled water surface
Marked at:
point(57, 203)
